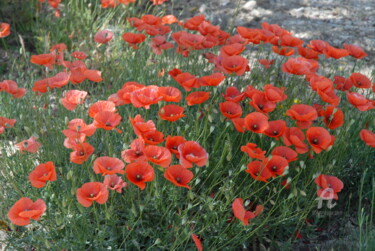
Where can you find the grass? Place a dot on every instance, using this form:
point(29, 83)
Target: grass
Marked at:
point(164, 216)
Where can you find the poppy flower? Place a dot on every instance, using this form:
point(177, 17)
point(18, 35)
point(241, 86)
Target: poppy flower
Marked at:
point(294, 136)
point(212, 80)
point(59, 80)
point(283, 51)
point(233, 94)
point(198, 97)
point(355, 51)
point(72, 98)
point(12, 88)
point(141, 127)
point(190, 41)
point(79, 55)
point(6, 123)
point(230, 109)
point(336, 53)
point(78, 126)
point(25, 209)
point(179, 175)
point(197, 242)
point(192, 152)
point(42, 173)
point(319, 138)
point(320, 83)
point(300, 66)
point(158, 44)
point(368, 137)
point(276, 165)
point(234, 64)
point(359, 80)
point(47, 60)
point(318, 45)
point(170, 94)
point(172, 143)
point(158, 155)
point(4, 30)
point(303, 114)
point(169, 19)
point(266, 63)
point(187, 81)
point(90, 192)
point(101, 106)
point(114, 182)
point(81, 152)
point(288, 40)
point(275, 129)
point(103, 36)
point(260, 103)
point(329, 186)
point(308, 53)
point(107, 120)
point(93, 75)
point(254, 36)
point(258, 171)
point(40, 86)
point(133, 39)
point(153, 137)
point(171, 112)
point(29, 145)
point(240, 212)
point(253, 151)
point(239, 124)
point(135, 152)
point(127, 89)
point(108, 165)
point(146, 96)
point(333, 117)
point(274, 94)
point(256, 122)
point(139, 173)
point(232, 49)
point(286, 152)
point(359, 101)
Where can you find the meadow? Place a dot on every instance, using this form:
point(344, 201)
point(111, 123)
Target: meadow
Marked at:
point(126, 127)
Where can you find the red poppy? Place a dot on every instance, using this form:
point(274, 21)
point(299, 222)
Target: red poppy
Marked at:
point(194, 22)
point(29, 145)
point(319, 138)
point(81, 152)
point(274, 94)
point(158, 155)
point(179, 175)
point(258, 171)
point(146, 96)
point(276, 165)
point(318, 45)
point(6, 123)
point(107, 120)
point(93, 75)
point(140, 126)
point(133, 39)
point(359, 80)
point(303, 114)
point(300, 66)
point(286, 152)
point(114, 182)
point(187, 81)
point(333, 117)
point(368, 137)
point(256, 122)
point(59, 80)
point(232, 49)
point(90, 192)
point(239, 124)
point(103, 36)
point(336, 53)
point(11, 87)
point(158, 44)
point(294, 136)
point(77, 127)
point(321, 83)
point(240, 212)
point(170, 94)
point(212, 80)
point(42, 173)
point(135, 152)
point(4, 30)
point(355, 51)
point(260, 102)
point(25, 209)
point(192, 152)
point(101, 106)
point(275, 129)
point(79, 55)
point(308, 53)
point(127, 89)
point(73, 98)
point(234, 64)
point(196, 98)
point(283, 51)
point(197, 242)
point(230, 109)
point(233, 94)
point(108, 165)
point(172, 143)
point(139, 173)
point(171, 112)
point(153, 137)
point(253, 151)
point(329, 186)
point(359, 101)
point(169, 19)
point(266, 63)
point(254, 36)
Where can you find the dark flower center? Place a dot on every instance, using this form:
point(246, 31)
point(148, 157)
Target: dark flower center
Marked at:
point(255, 127)
point(260, 106)
point(274, 168)
point(178, 179)
point(275, 132)
point(315, 141)
point(107, 124)
point(81, 153)
point(138, 177)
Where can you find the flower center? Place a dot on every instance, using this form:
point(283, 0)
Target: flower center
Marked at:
point(275, 132)
point(178, 179)
point(255, 127)
point(315, 141)
point(138, 177)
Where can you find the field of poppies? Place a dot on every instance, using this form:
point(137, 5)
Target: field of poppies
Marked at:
point(126, 127)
